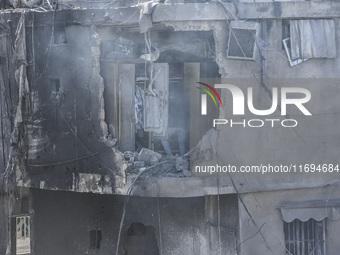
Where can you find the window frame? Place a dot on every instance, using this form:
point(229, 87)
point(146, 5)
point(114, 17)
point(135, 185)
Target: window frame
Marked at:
point(301, 245)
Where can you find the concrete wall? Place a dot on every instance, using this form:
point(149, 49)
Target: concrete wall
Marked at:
point(263, 209)
point(62, 222)
point(67, 106)
point(5, 225)
point(8, 100)
point(314, 140)
point(68, 120)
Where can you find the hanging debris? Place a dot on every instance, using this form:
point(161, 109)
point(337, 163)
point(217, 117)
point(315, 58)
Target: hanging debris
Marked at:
point(24, 3)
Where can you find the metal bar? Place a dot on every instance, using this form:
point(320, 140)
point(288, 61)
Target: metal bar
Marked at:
point(289, 237)
point(324, 236)
point(303, 238)
point(308, 232)
point(313, 232)
point(298, 237)
point(295, 237)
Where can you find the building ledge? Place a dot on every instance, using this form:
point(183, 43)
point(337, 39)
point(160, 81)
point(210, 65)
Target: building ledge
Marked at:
point(179, 12)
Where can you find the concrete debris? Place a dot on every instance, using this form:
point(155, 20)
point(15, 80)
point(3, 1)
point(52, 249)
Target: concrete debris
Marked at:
point(182, 164)
point(151, 56)
point(124, 48)
point(129, 156)
point(174, 1)
point(145, 20)
point(110, 142)
point(166, 166)
point(97, 79)
point(138, 164)
point(122, 165)
point(154, 160)
point(94, 183)
point(24, 3)
point(186, 173)
point(149, 157)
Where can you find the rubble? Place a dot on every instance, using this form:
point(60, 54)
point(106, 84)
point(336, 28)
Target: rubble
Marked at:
point(124, 48)
point(129, 156)
point(24, 3)
point(186, 173)
point(138, 164)
point(182, 164)
point(149, 157)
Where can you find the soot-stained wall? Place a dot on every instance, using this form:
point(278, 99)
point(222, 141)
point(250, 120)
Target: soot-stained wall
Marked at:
point(67, 106)
point(63, 220)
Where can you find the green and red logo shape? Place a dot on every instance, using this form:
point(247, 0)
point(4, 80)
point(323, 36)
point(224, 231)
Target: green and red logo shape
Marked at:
point(204, 97)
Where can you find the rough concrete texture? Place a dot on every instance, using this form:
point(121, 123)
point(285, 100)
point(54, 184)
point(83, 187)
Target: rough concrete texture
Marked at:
point(314, 139)
point(5, 224)
point(263, 207)
point(181, 226)
point(69, 137)
point(70, 115)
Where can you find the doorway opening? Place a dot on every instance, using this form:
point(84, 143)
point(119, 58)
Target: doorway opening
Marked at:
point(141, 240)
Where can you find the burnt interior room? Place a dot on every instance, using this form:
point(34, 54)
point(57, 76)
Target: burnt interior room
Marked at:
point(151, 95)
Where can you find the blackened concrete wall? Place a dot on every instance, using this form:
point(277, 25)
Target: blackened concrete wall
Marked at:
point(62, 222)
point(66, 90)
point(4, 223)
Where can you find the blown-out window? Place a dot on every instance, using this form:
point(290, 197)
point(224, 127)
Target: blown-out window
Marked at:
point(242, 40)
point(312, 39)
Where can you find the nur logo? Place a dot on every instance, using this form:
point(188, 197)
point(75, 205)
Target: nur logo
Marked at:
point(239, 99)
point(204, 97)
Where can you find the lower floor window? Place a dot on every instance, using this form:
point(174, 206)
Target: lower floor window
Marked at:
point(23, 241)
point(305, 238)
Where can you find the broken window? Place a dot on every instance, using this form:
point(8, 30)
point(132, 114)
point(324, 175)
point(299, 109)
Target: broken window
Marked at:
point(242, 39)
point(312, 39)
point(285, 31)
point(156, 101)
point(54, 84)
point(286, 45)
point(305, 238)
point(23, 240)
point(161, 106)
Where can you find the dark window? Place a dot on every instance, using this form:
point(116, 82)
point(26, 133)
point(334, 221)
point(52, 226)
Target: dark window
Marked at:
point(95, 238)
point(241, 43)
point(60, 34)
point(23, 235)
point(55, 84)
point(286, 32)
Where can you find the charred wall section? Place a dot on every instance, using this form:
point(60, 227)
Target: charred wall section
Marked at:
point(179, 226)
point(8, 93)
point(65, 132)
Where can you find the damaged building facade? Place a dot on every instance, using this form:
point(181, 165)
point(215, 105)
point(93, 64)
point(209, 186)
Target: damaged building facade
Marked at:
point(107, 149)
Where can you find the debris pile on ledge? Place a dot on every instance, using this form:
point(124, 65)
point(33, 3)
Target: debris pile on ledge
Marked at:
point(165, 166)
